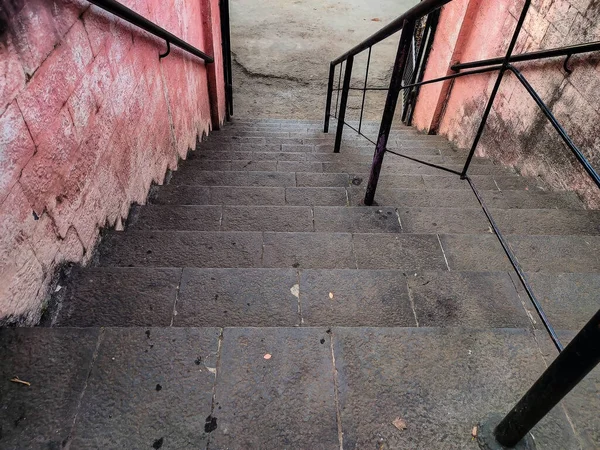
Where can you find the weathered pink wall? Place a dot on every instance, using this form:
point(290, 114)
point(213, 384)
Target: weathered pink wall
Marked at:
point(517, 134)
point(89, 118)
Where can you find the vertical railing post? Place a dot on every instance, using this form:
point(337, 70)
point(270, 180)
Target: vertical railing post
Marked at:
point(488, 108)
point(568, 369)
point(362, 106)
point(391, 101)
point(329, 95)
point(343, 103)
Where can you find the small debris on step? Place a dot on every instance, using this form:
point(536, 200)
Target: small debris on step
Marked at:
point(295, 290)
point(375, 19)
point(268, 356)
point(399, 423)
point(158, 443)
point(58, 288)
point(331, 295)
point(474, 431)
point(16, 379)
point(210, 424)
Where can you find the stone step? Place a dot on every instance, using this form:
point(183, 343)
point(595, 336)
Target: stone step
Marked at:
point(350, 149)
point(343, 196)
point(228, 154)
point(320, 179)
point(139, 387)
point(398, 166)
point(239, 297)
point(324, 145)
point(401, 251)
point(362, 219)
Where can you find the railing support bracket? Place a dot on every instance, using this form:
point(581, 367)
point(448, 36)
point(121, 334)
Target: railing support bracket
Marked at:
point(165, 54)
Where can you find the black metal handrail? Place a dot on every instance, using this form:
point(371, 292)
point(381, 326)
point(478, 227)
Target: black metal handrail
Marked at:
point(583, 353)
point(139, 21)
point(416, 12)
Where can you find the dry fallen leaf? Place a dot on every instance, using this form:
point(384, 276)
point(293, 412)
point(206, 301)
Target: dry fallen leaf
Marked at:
point(474, 431)
point(17, 380)
point(375, 19)
point(331, 295)
point(399, 423)
point(267, 356)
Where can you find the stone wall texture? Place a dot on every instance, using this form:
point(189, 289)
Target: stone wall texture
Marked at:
point(89, 118)
point(517, 134)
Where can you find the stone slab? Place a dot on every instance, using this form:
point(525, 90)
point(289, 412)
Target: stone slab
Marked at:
point(406, 252)
point(568, 299)
point(181, 195)
point(308, 250)
point(306, 179)
point(287, 401)
point(439, 382)
point(444, 220)
point(357, 219)
point(466, 299)
point(474, 252)
point(558, 254)
point(235, 195)
point(56, 363)
point(175, 218)
point(119, 297)
point(182, 249)
point(312, 196)
point(232, 178)
point(355, 298)
point(149, 388)
point(267, 218)
point(237, 298)
point(548, 221)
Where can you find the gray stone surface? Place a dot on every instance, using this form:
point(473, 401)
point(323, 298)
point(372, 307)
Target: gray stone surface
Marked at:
point(299, 166)
point(482, 182)
point(182, 249)
point(407, 252)
point(568, 299)
point(444, 220)
point(243, 178)
point(466, 299)
point(355, 298)
point(472, 252)
point(308, 250)
point(440, 382)
point(56, 363)
point(390, 180)
point(182, 195)
point(149, 385)
point(557, 253)
point(286, 401)
point(237, 298)
point(119, 297)
point(234, 195)
point(267, 218)
point(531, 199)
point(324, 196)
point(459, 198)
point(357, 219)
point(305, 179)
point(548, 221)
point(253, 165)
point(175, 218)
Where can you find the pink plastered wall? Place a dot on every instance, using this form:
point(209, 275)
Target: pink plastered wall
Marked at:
point(517, 134)
point(89, 118)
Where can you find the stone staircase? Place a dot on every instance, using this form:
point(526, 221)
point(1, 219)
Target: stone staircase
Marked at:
point(255, 304)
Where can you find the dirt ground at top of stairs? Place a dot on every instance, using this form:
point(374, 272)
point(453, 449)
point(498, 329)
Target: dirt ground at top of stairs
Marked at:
point(282, 49)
